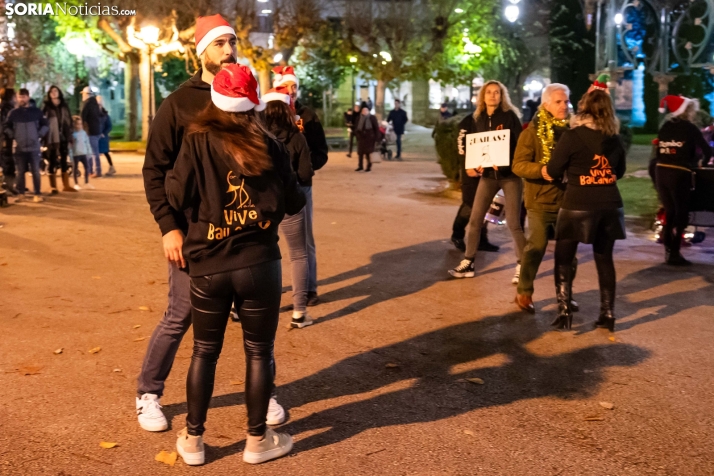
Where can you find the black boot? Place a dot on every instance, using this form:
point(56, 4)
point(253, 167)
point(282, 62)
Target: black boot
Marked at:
point(9, 184)
point(675, 258)
point(607, 305)
point(563, 285)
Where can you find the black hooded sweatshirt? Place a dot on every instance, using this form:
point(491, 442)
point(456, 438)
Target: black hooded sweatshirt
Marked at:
point(315, 135)
point(499, 120)
point(162, 148)
point(299, 153)
point(234, 219)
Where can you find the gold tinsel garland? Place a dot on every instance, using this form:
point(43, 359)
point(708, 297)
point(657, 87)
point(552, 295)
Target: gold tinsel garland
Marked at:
point(545, 130)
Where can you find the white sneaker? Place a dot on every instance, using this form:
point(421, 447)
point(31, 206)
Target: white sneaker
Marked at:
point(300, 320)
point(191, 448)
point(37, 199)
point(111, 170)
point(151, 418)
point(271, 446)
point(89, 186)
point(517, 276)
point(77, 187)
point(276, 413)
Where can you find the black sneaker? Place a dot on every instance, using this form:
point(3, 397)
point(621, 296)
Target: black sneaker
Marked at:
point(312, 299)
point(487, 246)
point(459, 244)
point(465, 269)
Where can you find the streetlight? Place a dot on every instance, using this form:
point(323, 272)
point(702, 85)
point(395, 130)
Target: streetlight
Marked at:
point(618, 19)
point(512, 12)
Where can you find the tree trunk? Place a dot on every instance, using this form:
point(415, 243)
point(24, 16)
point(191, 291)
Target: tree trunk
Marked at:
point(264, 81)
point(379, 100)
point(131, 85)
point(146, 93)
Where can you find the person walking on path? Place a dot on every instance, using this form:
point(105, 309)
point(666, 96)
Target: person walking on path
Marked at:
point(398, 118)
point(26, 125)
point(92, 118)
point(81, 150)
point(58, 138)
point(106, 128)
point(7, 161)
point(215, 46)
point(368, 134)
point(592, 157)
point(543, 196)
point(678, 141)
point(280, 121)
point(309, 124)
point(351, 118)
point(494, 112)
point(238, 182)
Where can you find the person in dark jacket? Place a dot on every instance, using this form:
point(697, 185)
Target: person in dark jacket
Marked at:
point(216, 48)
point(280, 121)
point(58, 138)
point(238, 183)
point(592, 158)
point(26, 125)
point(351, 117)
point(679, 143)
point(106, 128)
point(398, 118)
point(7, 161)
point(368, 135)
point(494, 112)
point(92, 118)
point(311, 128)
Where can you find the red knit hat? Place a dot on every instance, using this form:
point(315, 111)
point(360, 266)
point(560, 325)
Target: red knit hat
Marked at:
point(284, 75)
point(208, 29)
point(674, 104)
point(234, 89)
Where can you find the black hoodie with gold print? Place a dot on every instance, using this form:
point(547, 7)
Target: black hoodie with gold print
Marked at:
point(234, 219)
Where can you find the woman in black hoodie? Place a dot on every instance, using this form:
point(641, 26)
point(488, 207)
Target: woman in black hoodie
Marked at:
point(280, 120)
point(236, 180)
point(592, 157)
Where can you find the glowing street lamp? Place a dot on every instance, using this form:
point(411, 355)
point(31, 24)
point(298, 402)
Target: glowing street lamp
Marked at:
point(618, 19)
point(512, 12)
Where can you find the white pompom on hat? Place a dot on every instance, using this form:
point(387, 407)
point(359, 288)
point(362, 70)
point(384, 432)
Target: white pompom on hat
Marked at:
point(234, 89)
point(208, 29)
point(674, 104)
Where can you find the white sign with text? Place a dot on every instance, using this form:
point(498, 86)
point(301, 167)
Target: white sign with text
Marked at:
point(486, 149)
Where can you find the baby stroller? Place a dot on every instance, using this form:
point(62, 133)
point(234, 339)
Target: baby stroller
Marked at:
point(388, 138)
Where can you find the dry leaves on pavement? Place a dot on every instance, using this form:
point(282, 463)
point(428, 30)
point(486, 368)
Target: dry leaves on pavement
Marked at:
point(607, 405)
point(144, 308)
point(139, 339)
point(237, 382)
point(94, 351)
point(30, 370)
point(107, 445)
point(594, 418)
point(166, 457)
point(469, 432)
point(59, 351)
point(392, 366)
point(137, 326)
point(475, 380)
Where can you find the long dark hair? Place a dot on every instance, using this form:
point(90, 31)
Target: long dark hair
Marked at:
point(242, 135)
point(279, 116)
point(48, 100)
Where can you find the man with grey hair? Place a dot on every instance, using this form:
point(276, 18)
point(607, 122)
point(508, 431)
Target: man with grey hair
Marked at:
point(543, 196)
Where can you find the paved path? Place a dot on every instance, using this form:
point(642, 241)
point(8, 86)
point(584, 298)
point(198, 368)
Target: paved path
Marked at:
point(377, 385)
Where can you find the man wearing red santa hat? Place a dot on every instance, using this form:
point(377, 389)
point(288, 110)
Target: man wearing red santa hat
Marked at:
point(286, 80)
point(215, 46)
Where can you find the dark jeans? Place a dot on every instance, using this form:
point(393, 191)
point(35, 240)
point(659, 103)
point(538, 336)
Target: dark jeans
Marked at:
point(565, 252)
point(352, 141)
point(80, 159)
point(167, 336)
point(25, 161)
point(675, 188)
point(256, 291)
point(57, 155)
point(399, 145)
point(7, 162)
point(95, 163)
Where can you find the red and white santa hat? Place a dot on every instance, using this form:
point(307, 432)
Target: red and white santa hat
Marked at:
point(674, 104)
point(234, 89)
point(210, 28)
point(276, 95)
point(284, 75)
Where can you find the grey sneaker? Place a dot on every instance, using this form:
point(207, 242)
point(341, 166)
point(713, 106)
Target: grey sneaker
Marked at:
point(300, 320)
point(272, 445)
point(191, 448)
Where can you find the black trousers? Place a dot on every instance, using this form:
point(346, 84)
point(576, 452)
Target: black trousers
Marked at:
point(57, 155)
point(468, 194)
point(361, 160)
point(674, 187)
point(352, 141)
point(256, 291)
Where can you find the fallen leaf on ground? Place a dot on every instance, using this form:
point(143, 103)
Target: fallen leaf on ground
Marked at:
point(59, 351)
point(476, 380)
point(586, 371)
point(594, 418)
point(151, 282)
point(107, 445)
point(137, 326)
point(139, 339)
point(30, 370)
point(166, 457)
point(117, 370)
point(608, 405)
point(237, 382)
point(94, 351)
point(469, 432)
point(144, 308)
point(611, 339)
point(392, 366)
point(96, 277)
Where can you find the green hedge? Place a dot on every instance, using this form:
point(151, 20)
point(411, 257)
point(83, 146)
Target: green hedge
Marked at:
point(447, 152)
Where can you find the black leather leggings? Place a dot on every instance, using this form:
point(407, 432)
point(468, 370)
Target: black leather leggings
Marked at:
point(565, 251)
point(256, 291)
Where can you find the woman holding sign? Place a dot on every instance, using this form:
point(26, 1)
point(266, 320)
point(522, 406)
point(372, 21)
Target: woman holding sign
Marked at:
point(592, 157)
point(488, 138)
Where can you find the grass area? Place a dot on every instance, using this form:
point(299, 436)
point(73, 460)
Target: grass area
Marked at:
point(639, 196)
point(117, 145)
point(643, 139)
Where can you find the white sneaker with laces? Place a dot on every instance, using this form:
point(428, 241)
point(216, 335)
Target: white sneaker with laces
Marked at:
point(465, 269)
point(300, 320)
point(276, 413)
point(148, 409)
point(517, 276)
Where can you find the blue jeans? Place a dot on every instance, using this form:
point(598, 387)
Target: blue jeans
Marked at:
point(399, 145)
point(94, 159)
point(23, 161)
point(311, 251)
point(167, 336)
point(295, 230)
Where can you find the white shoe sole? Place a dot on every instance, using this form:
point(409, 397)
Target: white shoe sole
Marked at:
point(191, 459)
point(278, 421)
point(468, 274)
point(257, 458)
point(515, 280)
point(154, 426)
point(300, 325)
